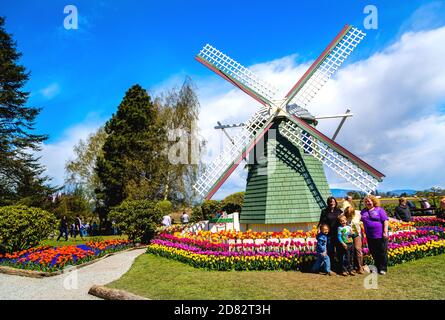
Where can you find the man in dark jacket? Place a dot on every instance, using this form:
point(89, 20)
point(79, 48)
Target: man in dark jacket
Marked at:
point(402, 211)
point(78, 227)
point(63, 228)
point(441, 211)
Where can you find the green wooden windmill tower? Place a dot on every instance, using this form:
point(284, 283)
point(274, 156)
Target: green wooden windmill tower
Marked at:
point(286, 183)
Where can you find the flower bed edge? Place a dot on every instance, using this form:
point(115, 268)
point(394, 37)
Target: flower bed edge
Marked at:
point(44, 274)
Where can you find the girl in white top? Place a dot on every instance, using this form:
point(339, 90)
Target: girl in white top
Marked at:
point(354, 220)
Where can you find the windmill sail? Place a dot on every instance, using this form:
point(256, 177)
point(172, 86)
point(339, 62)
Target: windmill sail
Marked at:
point(236, 74)
point(344, 163)
point(220, 169)
point(294, 128)
point(325, 66)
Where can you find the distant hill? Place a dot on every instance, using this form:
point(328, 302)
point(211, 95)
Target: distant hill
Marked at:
point(409, 192)
point(339, 193)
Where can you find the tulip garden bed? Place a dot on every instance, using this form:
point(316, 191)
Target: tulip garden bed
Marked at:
point(52, 259)
point(230, 250)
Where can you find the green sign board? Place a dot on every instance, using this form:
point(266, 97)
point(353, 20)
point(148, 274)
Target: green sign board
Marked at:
point(221, 220)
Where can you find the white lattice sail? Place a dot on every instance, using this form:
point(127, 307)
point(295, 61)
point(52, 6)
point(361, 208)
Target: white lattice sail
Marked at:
point(334, 159)
point(232, 151)
point(238, 73)
point(324, 67)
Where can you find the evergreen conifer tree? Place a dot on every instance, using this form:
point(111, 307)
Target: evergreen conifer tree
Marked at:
point(20, 171)
point(132, 155)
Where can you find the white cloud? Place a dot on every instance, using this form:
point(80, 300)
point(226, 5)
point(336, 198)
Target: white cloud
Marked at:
point(50, 91)
point(427, 16)
point(395, 96)
point(54, 155)
point(419, 160)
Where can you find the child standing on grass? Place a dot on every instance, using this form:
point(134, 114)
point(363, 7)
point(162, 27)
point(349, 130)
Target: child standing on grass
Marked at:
point(322, 251)
point(354, 220)
point(345, 237)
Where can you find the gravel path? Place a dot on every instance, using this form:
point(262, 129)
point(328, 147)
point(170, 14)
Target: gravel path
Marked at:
point(72, 285)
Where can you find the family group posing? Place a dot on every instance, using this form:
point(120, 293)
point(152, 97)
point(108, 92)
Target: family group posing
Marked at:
point(339, 241)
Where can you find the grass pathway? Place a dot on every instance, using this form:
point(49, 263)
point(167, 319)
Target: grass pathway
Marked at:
point(54, 288)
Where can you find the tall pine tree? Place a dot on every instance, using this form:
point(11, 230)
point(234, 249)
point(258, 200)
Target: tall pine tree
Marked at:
point(130, 164)
point(20, 172)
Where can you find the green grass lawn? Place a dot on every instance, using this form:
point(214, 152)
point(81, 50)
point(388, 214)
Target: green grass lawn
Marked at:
point(78, 240)
point(160, 278)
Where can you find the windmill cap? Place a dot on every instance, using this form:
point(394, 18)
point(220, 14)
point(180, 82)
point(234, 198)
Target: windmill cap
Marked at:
point(300, 112)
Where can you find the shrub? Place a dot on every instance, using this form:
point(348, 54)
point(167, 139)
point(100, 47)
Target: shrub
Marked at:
point(165, 207)
point(233, 202)
point(138, 219)
point(196, 214)
point(210, 207)
point(390, 208)
point(23, 227)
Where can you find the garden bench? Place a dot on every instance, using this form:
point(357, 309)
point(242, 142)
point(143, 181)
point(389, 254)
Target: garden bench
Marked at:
point(422, 211)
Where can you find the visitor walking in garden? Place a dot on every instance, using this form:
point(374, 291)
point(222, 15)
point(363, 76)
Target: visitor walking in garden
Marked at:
point(346, 248)
point(114, 229)
point(375, 221)
point(322, 252)
point(166, 220)
point(78, 227)
point(410, 205)
point(441, 211)
point(87, 229)
point(94, 229)
point(329, 216)
point(402, 211)
point(184, 218)
point(354, 220)
point(424, 204)
point(73, 230)
point(63, 228)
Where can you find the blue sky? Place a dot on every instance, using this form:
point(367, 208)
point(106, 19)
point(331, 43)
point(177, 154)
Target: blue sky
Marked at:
point(120, 43)
point(80, 76)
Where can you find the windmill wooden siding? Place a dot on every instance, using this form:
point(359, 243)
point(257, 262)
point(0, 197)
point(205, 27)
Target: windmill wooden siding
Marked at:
point(289, 188)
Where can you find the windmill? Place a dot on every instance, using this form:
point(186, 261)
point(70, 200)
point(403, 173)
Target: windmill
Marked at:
point(288, 187)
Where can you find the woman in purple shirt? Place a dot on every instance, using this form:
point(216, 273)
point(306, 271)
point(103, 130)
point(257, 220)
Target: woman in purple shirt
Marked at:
point(375, 221)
